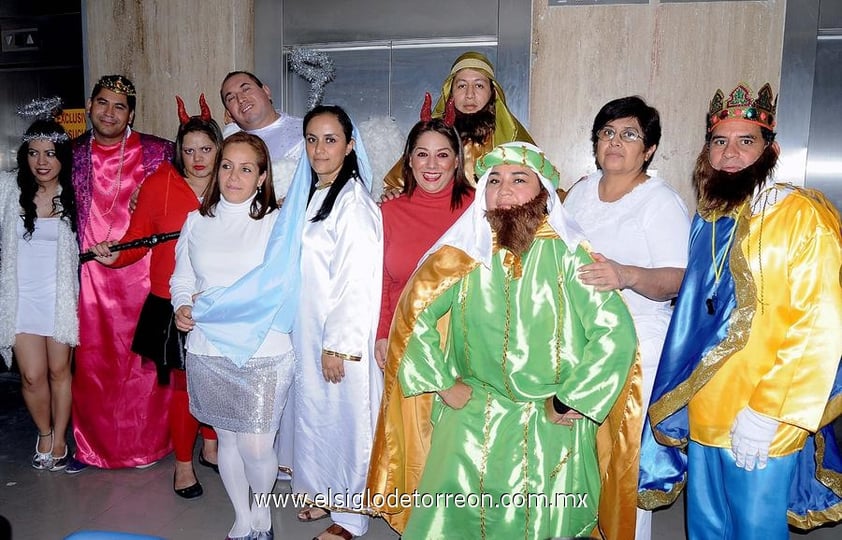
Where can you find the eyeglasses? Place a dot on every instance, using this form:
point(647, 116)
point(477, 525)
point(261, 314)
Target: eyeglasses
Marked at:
point(628, 135)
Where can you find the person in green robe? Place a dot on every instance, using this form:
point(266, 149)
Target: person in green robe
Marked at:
point(533, 362)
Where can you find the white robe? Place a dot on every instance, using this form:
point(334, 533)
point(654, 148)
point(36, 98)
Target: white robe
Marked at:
point(341, 264)
point(648, 227)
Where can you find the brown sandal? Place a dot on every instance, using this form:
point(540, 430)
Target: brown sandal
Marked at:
point(337, 531)
point(305, 515)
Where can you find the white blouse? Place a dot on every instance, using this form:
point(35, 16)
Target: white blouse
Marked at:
point(648, 227)
point(217, 251)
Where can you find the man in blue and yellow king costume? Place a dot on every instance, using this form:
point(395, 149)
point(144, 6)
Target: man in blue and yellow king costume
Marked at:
point(749, 377)
point(533, 363)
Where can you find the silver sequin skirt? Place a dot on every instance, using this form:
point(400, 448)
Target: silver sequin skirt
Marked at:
point(246, 399)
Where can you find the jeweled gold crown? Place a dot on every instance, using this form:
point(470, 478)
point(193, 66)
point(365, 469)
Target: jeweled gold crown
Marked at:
point(741, 105)
point(118, 84)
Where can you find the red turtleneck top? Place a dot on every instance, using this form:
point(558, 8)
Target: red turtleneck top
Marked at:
point(411, 225)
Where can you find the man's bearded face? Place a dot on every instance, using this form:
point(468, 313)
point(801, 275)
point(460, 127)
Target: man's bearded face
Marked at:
point(515, 224)
point(473, 98)
point(511, 185)
point(471, 90)
point(732, 165)
point(735, 145)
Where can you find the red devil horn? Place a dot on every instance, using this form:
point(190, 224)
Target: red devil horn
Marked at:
point(449, 112)
point(203, 105)
point(183, 117)
point(426, 109)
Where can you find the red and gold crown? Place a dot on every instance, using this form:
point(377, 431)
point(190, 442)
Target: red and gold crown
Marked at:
point(741, 105)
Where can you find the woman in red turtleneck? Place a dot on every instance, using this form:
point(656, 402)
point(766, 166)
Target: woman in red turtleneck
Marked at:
point(436, 192)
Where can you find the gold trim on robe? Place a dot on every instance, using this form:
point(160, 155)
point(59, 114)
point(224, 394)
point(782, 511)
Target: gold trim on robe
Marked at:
point(403, 433)
point(402, 441)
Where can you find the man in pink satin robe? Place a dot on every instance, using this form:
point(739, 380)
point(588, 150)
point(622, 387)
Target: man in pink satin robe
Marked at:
point(119, 411)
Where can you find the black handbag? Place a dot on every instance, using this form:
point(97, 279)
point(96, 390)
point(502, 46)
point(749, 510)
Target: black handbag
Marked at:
point(156, 337)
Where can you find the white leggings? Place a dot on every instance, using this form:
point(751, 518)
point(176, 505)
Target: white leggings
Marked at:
point(247, 460)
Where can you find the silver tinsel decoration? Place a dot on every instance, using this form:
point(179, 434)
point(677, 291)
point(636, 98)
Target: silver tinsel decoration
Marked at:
point(41, 108)
point(54, 137)
point(316, 68)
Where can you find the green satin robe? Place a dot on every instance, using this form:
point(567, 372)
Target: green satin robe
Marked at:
point(516, 342)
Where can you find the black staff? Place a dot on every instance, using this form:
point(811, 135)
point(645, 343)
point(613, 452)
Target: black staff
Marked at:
point(149, 241)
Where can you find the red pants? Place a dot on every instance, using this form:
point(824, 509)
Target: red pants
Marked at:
point(183, 426)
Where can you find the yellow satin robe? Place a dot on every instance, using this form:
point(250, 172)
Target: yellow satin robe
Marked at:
point(784, 343)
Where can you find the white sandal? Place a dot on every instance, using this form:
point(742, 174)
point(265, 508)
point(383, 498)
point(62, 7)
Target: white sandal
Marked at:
point(43, 460)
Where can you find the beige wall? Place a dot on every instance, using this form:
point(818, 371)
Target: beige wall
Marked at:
point(673, 55)
point(169, 47)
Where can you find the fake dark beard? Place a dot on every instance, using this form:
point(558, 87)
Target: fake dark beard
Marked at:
point(515, 227)
point(475, 127)
point(723, 191)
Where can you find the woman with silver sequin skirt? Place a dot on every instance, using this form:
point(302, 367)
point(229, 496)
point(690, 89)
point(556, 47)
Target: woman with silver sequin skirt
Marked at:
point(238, 388)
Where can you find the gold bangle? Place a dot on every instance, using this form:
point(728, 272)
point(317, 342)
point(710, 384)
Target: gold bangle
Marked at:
point(343, 356)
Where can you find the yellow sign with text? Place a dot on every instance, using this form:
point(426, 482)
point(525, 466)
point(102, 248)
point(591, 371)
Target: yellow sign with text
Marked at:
point(73, 121)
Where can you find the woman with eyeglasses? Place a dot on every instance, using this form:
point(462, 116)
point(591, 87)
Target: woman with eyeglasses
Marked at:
point(639, 228)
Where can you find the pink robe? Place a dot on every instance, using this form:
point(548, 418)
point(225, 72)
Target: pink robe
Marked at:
point(119, 410)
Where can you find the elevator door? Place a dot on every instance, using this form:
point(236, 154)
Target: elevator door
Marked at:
point(387, 53)
point(40, 56)
point(824, 150)
point(384, 79)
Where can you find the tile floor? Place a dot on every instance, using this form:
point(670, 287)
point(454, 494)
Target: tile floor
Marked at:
point(41, 505)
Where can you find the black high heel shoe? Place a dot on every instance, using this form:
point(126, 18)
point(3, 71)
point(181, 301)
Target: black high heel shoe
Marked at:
point(205, 463)
point(190, 492)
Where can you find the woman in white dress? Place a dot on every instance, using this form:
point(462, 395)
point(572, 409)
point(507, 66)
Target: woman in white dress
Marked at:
point(639, 228)
point(237, 386)
point(338, 384)
point(39, 286)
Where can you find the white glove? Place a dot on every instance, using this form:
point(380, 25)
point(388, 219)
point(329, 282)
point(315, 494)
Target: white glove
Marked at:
point(751, 436)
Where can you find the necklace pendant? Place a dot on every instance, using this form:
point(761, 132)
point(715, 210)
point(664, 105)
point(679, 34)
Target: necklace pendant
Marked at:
point(711, 305)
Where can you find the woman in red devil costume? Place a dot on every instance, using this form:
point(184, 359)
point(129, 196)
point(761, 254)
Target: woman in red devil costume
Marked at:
point(165, 199)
